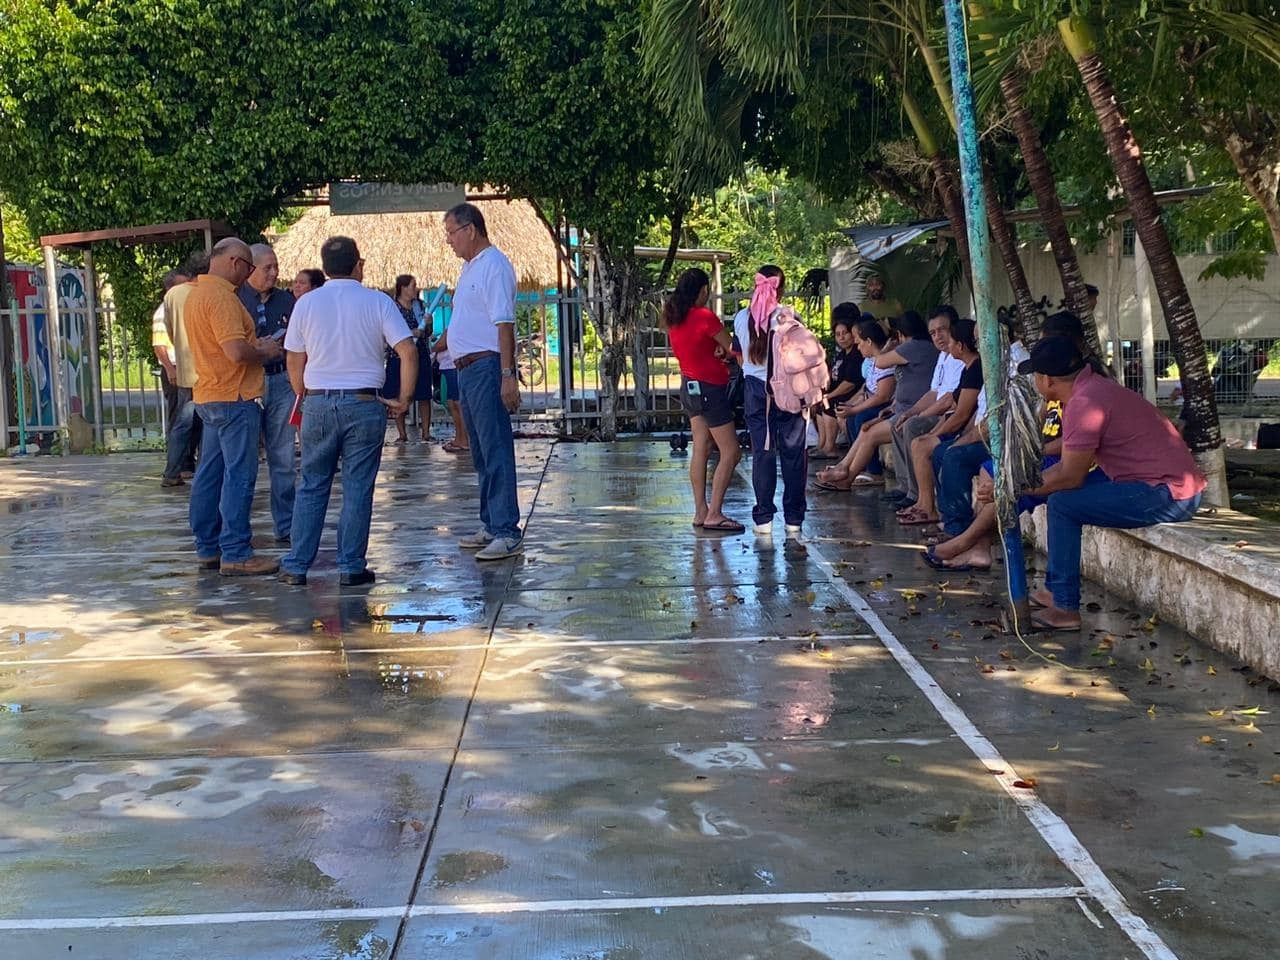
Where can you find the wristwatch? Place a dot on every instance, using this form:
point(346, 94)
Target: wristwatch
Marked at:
point(508, 372)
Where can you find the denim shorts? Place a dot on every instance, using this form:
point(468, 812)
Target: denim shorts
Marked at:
point(711, 402)
point(450, 377)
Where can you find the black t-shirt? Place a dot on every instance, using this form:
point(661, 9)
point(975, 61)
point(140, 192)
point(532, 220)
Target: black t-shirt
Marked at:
point(846, 368)
point(971, 379)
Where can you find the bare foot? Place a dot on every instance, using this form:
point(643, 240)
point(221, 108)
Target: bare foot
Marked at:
point(977, 557)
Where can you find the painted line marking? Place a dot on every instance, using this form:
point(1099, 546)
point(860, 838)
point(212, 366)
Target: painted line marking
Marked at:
point(505, 644)
point(1052, 828)
point(605, 904)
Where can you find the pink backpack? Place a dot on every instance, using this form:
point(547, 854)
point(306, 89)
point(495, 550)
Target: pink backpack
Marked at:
point(797, 371)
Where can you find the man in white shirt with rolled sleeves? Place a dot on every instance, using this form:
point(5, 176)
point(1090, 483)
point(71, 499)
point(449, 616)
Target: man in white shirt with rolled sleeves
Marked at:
point(481, 339)
point(336, 343)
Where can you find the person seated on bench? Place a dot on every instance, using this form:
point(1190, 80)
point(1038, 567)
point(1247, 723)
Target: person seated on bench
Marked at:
point(1148, 476)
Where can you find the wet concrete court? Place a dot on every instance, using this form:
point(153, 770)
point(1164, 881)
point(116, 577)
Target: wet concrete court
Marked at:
point(633, 742)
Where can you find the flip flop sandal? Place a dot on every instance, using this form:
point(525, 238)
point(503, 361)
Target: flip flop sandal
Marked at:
point(867, 480)
point(724, 526)
point(824, 485)
point(917, 521)
point(1045, 626)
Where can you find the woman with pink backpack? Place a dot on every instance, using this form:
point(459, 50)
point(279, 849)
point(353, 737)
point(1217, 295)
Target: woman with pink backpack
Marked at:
point(777, 435)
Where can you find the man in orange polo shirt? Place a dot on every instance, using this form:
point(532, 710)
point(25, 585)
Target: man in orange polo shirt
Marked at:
point(228, 394)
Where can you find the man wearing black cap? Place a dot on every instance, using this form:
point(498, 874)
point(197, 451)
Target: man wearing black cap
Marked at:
point(1146, 474)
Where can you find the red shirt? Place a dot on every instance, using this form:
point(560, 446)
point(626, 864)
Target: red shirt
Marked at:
point(1131, 439)
point(694, 344)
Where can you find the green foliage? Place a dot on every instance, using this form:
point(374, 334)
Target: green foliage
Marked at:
point(20, 244)
point(766, 218)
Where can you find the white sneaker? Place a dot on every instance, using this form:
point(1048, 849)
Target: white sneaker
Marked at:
point(793, 531)
point(501, 548)
point(765, 529)
point(481, 538)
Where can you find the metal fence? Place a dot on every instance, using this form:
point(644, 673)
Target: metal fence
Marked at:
point(1236, 365)
point(559, 358)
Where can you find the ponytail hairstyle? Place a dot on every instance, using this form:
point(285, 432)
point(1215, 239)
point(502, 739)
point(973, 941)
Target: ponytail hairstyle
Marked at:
point(965, 333)
point(770, 282)
point(871, 330)
point(684, 296)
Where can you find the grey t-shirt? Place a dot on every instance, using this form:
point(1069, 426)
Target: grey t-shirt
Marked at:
point(915, 377)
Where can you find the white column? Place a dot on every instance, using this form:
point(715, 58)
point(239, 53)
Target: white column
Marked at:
point(53, 330)
point(91, 304)
point(717, 287)
point(1142, 289)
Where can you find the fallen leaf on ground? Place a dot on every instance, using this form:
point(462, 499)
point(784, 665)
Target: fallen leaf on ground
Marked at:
point(1027, 784)
point(1151, 710)
point(1212, 672)
point(1218, 713)
point(1147, 665)
point(1206, 739)
point(1055, 747)
point(1251, 712)
point(893, 758)
point(877, 583)
point(1195, 832)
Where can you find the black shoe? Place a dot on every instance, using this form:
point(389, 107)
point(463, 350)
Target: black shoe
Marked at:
point(357, 579)
point(172, 482)
point(292, 579)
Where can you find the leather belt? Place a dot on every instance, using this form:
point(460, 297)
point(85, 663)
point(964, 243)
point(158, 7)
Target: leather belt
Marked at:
point(461, 363)
point(365, 393)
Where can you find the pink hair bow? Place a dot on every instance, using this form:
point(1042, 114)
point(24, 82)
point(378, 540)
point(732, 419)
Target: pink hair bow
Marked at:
point(764, 301)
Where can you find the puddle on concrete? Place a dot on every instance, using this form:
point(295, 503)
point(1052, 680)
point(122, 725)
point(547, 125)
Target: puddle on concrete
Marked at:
point(1249, 846)
point(467, 867)
point(425, 615)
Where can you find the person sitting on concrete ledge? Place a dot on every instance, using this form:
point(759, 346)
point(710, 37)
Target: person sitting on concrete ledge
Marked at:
point(1150, 476)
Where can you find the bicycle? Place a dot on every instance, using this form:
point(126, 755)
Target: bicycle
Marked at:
point(531, 369)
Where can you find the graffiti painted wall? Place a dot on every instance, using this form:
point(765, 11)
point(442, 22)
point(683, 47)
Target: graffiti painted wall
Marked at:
point(34, 344)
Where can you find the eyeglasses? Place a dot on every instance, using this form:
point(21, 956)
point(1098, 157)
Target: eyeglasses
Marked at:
point(449, 233)
point(247, 263)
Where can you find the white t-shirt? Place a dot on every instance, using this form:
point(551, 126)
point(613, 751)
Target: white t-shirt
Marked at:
point(742, 330)
point(344, 329)
point(946, 375)
point(485, 297)
point(1017, 353)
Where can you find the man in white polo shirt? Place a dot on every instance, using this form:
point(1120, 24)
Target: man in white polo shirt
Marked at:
point(482, 341)
point(336, 343)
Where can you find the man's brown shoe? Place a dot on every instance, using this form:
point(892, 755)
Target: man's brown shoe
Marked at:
point(253, 567)
point(209, 563)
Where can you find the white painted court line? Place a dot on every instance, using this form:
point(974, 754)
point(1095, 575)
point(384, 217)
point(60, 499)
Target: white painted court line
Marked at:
point(1048, 824)
point(604, 904)
point(436, 648)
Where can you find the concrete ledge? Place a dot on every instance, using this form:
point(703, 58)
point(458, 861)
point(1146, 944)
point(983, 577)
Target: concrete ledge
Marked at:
point(1194, 575)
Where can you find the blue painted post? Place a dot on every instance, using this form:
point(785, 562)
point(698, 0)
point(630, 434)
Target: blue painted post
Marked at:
point(990, 345)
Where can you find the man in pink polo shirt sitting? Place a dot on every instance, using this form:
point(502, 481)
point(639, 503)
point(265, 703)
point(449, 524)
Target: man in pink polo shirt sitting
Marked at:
point(1146, 474)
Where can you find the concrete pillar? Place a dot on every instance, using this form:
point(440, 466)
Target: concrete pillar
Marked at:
point(53, 330)
point(1142, 289)
point(717, 287)
point(91, 302)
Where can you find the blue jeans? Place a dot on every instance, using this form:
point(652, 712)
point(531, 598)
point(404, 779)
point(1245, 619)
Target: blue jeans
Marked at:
point(222, 491)
point(352, 429)
point(277, 437)
point(184, 437)
point(875, 466)
point(959, 465)
point(493, 449)
point(1102, 503)
point(786, 441)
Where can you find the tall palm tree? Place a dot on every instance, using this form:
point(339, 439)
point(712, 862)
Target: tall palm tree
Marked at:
point(1203, 433)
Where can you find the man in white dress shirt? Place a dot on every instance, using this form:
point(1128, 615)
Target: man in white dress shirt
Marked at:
point(482, 341)
point(336, 344)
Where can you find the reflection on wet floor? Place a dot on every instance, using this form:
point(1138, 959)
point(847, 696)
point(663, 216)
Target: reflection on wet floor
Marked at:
point(513, 753)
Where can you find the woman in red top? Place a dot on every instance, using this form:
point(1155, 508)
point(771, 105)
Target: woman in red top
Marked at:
point(700, 342)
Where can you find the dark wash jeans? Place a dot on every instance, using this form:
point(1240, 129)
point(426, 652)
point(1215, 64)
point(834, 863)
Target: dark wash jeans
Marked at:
point(493, 449)
point(959, 465)
point(222, 491)
point(875, 466)
point(277, 437)
point(786, 434)
point(183, 437)
point(1102, 503)
point(350, 429)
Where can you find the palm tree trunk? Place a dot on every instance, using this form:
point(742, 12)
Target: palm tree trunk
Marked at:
point(1045, 188)
point(1203, 433)
point(944, 179)
point(1025, 304)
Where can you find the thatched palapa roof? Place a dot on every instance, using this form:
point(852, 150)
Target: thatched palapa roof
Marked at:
point(396, 243)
